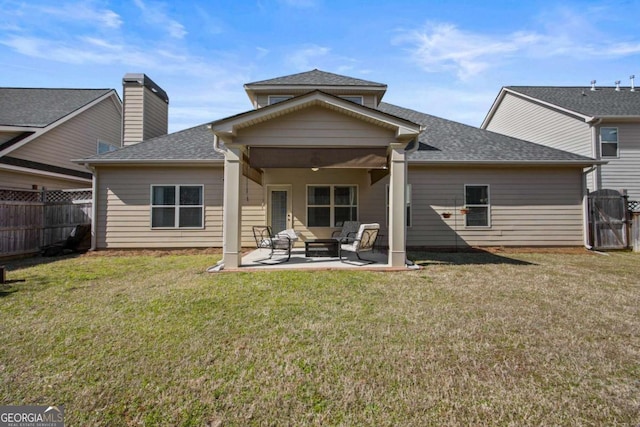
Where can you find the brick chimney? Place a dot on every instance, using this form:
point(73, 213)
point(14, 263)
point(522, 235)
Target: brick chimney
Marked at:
point(145, 112)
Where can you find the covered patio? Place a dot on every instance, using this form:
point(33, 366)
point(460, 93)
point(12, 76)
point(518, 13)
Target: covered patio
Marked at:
point(304, 144)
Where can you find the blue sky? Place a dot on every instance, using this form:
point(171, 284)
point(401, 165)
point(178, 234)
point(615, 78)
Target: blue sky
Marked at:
point(446, 58)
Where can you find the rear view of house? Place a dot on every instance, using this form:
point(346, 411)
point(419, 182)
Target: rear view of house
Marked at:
point(42, 130)
point(318, 149)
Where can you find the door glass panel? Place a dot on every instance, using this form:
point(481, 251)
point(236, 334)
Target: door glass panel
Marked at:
point(278, 210)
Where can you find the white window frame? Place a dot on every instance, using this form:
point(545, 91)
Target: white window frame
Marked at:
point(111, 147)
point(617, 142)
point(332, 203)
point(176, 206)
point(270, 98)
point(409, 207)
point(478, 205)
point(358, 99)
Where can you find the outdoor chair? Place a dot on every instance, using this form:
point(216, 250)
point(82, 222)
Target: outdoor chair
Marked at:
point(364, 242)
point(348, 232)
point(282, 241)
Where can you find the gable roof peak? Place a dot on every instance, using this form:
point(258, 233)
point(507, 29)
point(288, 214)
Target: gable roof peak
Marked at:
point(316, 77)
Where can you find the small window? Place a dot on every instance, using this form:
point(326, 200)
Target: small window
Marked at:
point(476, 200)
point(105, 147)
point(177, 206)
point(408, 198)
point(609, 142)
point(356, 99)
point(274, 99)
point(329, 204)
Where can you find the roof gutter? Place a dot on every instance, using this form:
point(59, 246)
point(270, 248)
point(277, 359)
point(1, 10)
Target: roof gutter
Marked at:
point(148, 161)
point(583, 163)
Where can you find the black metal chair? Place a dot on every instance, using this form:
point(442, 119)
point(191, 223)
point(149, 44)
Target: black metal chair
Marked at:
point(348, 232)
point(265, 239)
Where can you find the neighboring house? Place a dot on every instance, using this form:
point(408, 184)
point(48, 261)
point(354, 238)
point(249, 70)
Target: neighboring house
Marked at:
point(42, 130)
point(598, 122)
point(319, 149)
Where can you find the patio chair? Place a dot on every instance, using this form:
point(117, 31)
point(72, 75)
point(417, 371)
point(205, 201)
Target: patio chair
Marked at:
point(364, 242)
point(348, 232)
point(282, 241)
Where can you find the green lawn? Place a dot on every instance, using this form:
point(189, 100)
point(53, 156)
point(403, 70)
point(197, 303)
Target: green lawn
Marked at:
point(471, 339)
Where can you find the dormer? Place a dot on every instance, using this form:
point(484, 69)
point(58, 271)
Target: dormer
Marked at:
point(267, 92)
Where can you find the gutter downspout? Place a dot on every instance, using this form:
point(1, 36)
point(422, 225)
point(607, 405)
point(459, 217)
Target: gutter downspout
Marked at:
point(94, 206)
point(585, 209)
point(408, 263)
point(594, 123)
point(216, 147)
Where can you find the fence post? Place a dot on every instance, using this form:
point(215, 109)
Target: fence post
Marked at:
point(635, 229)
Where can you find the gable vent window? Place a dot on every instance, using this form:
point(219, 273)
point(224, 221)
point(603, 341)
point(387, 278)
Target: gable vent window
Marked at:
point(609, 142)
point(274, 99)
point(356, 99)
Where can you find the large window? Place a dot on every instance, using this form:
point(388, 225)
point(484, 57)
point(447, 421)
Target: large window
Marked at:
point(476, 200)
point(331, 205)
point(609, 142)
point(177, 206)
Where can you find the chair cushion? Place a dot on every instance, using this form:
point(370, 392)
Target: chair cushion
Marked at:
point(289, 232)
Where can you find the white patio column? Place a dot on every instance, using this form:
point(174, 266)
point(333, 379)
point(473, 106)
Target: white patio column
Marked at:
point(231, 217)
point(397, 206)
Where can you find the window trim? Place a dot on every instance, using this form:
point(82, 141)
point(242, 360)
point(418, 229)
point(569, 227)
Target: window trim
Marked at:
point(176, 206)
point(112, 147)
point(332, 203)
point(408, 197)
point(286, 98)
point(617, 143)
point(487, 205)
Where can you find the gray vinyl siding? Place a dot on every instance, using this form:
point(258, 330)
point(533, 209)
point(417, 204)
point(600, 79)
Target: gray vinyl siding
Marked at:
point(76, 138)
point(155, 115)
point(124, 211)
point(524, 119)
point(528, 207)
point(624, 172)
point(133, 110)
point(19, 180)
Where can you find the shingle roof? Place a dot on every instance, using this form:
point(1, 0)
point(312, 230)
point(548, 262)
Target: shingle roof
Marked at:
point(30, 107)
point(441, 141)
point(448, 141)
point(316, 78)
point(195, 143)
point(603, 102)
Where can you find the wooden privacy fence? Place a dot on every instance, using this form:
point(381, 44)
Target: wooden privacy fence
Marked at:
point(31, 222)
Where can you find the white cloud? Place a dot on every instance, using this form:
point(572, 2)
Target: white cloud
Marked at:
point(153, 13)
point(446, 48)
point(306, 58)
point(443, 47)
point(83, 12)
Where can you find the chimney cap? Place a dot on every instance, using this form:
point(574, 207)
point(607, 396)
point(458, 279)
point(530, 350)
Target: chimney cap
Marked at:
point(144, 80)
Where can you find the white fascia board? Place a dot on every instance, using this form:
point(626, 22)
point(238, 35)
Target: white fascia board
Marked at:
point(150, 162)
point(550, 105)
point(275, 110)
point(575, 163)
point(41, 131)
point(43, 173)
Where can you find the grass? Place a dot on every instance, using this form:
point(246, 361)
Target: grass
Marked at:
point(471, 339)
